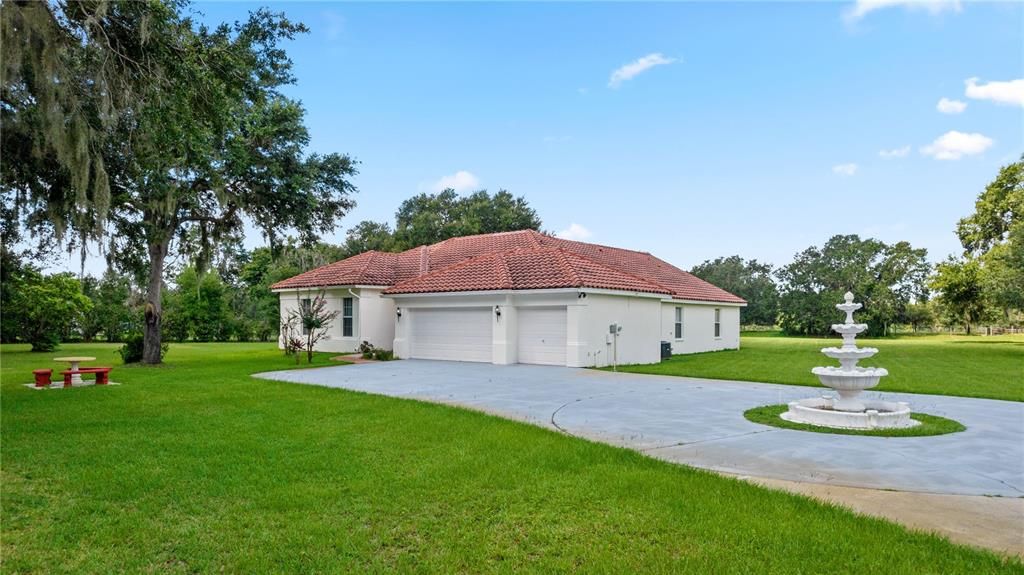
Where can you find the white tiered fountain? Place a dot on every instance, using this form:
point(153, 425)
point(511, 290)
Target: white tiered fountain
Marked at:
point(849, 410)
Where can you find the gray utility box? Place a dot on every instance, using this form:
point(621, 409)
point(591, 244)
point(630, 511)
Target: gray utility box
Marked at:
point(666, 349)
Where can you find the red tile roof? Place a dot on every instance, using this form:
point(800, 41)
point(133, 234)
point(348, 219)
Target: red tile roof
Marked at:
point(368, 268)
point(518, 260)
point(525, 269)
point(683, 285)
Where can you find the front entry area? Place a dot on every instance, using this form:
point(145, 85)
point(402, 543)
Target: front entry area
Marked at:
point(456, 334)
point(542, 335)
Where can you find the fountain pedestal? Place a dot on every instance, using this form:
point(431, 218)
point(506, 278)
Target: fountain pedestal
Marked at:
point(849, 380)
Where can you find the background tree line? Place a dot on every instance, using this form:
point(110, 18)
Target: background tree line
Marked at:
point(985, 285)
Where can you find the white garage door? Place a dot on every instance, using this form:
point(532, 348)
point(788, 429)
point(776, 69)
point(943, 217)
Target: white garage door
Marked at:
point(459, 334)
point(542, 335)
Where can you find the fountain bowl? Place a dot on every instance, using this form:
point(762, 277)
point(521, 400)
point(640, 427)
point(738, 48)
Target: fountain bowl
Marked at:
point(849, 328)
point(856, 354)
point(876, 414)
point(854, 379)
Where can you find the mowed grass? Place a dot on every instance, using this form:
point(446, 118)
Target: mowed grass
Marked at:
point(969, 366)
point(197, 467)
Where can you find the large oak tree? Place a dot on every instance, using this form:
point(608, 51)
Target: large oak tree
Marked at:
point(178, 133)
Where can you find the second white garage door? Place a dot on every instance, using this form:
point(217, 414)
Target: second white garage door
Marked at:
point(459, 334)
point(542, 335)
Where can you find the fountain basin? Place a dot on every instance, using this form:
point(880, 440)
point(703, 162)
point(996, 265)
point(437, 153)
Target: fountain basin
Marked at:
point(876, 414)
point(849, 382)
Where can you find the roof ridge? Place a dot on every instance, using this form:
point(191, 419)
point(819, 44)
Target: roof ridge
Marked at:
point(503, 271)
point(533, 237)
point(369, 260)
point(488, 234)
point(567, 267)
point(652, 282)
point(607, 247)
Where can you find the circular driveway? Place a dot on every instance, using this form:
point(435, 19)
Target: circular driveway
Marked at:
point(700, 422)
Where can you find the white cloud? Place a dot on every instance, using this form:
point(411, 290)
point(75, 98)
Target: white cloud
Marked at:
point(1011, 92)
point(636, 67)
point(845, 169)
point(894, 153)
point(954, 145)
point(947, 106)
point(460, 181)
point(862, 8)
point(582, 91)
point(334, 24)
point(575, 232)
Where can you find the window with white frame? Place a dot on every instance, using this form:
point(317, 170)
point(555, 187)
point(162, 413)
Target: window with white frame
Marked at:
point(305, 305)
point(718, 322)
point(347, 317)
point(679, 323)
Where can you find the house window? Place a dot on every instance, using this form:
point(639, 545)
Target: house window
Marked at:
point(679, 323)
point(718, 322)
point(305, 304)
point(346, 317)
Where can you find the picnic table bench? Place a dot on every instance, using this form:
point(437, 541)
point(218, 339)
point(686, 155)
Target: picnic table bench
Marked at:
point(102, 374)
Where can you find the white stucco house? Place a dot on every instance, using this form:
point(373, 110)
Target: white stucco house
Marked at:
point(519, 297)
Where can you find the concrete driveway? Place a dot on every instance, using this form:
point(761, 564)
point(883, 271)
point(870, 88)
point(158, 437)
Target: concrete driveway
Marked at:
point(700, 422)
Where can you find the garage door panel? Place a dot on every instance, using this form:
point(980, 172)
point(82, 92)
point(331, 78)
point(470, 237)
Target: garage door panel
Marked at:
point(457, 334)
point(542, 335)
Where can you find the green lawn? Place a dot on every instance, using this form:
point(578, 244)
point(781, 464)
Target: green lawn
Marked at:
point(970, 366)
point(196, 467)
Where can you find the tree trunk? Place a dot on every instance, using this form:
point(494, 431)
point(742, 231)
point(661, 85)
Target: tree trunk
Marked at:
point(154, 308)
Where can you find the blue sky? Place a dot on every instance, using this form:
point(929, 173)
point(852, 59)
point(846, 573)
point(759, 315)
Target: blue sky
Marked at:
point(738, 128)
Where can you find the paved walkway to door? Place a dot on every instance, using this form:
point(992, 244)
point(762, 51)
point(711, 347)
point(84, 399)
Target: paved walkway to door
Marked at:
point(700, 422)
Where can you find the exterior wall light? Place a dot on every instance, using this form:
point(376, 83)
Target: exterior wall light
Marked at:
point(398, 313)
point(497, 311)
point(581, 295)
